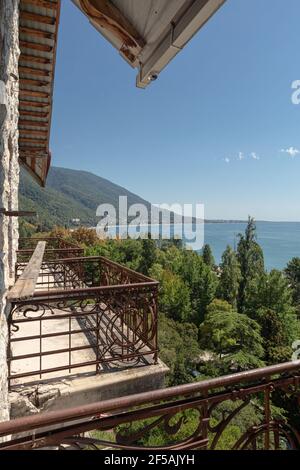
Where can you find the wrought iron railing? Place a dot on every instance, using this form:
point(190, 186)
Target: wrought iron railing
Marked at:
point(87, 314)
point(202, 415)
point(56, 248)
point(82, 272)
point(52, 242)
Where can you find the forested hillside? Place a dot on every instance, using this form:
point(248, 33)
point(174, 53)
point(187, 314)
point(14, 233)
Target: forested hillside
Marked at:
point(70, 194)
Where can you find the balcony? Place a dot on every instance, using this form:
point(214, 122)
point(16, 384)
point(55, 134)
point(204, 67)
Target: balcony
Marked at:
point(87, 316)
point(186, 414)
point(83, 342)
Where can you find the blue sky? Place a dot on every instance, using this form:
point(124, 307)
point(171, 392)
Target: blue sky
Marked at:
point(228, 92)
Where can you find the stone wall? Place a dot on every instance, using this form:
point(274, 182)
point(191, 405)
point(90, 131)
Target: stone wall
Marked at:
point(9, 171)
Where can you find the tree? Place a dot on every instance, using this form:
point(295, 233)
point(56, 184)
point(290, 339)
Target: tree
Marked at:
point(268, 299)
point(219, 306)
point(230, 277)
point(233, 336)
point(148, 255)
point(84, 236)
point(179, 349)
point(201, 280)
point(26, 230)
point(207, 256)
point(251, 259)
point(275, 335)
point(174, 294)
point(292, 272)
point(268, 290)
point(171, 258)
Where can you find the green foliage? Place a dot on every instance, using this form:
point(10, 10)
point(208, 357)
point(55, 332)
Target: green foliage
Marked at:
point(179, 349)
point(148, 256)
point(230, 277)
point(244, 420)
point(292, 272)
point(251, 259)
point(126, 252)
point(208, 256)
point(26, 230)
point(269, 290)
point(276, 336)
point(174, 298)
point(155, 435)
point(268, 299)
point(170, 258)
point(180, 267)
point(219, 306)
point(233, 336)
point(202, 282)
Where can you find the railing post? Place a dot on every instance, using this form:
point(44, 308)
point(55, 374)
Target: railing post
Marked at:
point(267, 413)
point(8, 349)
point(70, 345)
point(97, 340)
point(156, 324)
point(205, 420)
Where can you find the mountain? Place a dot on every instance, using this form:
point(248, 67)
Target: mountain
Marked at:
point(70, 194)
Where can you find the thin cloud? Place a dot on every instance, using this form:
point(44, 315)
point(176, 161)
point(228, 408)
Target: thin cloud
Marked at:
point(292, 151)
point(242, 156)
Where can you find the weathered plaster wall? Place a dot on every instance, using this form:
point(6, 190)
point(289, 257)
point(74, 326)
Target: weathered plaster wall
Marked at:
point(29, 399)
point(9, 171)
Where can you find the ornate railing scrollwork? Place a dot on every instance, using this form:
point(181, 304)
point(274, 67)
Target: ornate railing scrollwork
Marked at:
point(212, 414)
point(114, 325)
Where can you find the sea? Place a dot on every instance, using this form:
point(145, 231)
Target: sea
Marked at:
point(280, 241)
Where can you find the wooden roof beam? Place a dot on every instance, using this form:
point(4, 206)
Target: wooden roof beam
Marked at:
point(42, 4)
point(35, 46)
point(33, 71)
point(36, 32)
point(32, 58)
point(33, 152)
point(35, 114)
point(34, 104)
point(33, 132)
point(35, 94)
point(27, 123)
point(25, 15)
point(33, 82)
point(28, 148)
point(28, 140)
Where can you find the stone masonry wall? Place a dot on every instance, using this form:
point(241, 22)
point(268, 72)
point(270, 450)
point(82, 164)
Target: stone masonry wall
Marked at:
point(9, 171)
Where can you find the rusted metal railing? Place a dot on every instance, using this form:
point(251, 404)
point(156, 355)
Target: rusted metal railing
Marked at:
point(87, 314)
point(57, 248)
point(192, 416)
point(52, 242)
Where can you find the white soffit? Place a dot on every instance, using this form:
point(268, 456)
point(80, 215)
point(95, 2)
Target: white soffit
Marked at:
point(148, 33)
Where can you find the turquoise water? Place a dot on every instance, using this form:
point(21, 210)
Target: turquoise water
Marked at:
point(280, 241)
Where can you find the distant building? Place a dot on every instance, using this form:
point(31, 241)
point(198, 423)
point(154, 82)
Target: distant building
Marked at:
point(75, 221)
